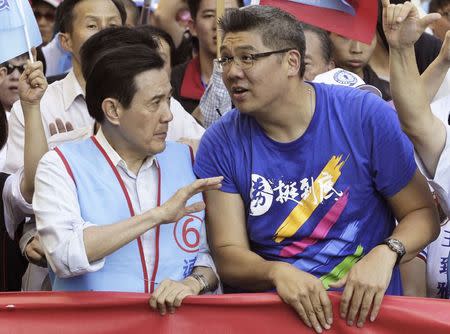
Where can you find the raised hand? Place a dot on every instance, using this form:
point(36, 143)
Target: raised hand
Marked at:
point(402, 24)
point(175, 208)
point(32, 84)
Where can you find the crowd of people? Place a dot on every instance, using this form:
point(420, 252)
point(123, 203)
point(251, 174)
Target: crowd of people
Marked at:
point(135, 158)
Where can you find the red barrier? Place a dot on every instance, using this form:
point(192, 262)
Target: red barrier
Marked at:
point(98, 312)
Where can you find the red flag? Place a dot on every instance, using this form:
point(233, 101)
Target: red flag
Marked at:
point(359, 26)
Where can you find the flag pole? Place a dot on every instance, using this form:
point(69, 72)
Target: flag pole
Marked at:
point(143, 20)
point(25, 27)
point(220, 10)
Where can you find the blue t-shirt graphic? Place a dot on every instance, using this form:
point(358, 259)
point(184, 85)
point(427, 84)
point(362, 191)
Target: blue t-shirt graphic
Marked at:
point(318, 202)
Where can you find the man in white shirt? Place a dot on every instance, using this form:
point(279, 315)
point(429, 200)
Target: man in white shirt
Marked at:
point(125, 195)
point(64, 108)
point(64, 101)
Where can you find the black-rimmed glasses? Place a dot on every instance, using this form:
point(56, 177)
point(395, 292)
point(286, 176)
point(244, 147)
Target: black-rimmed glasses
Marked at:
point(246, 60)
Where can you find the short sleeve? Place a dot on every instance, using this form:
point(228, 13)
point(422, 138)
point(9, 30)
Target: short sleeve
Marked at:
point(215, 157)
point(390, 151)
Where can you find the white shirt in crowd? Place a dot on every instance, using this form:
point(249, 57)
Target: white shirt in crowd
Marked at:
point(61, 226)
point(65, 100)
point(436, 254)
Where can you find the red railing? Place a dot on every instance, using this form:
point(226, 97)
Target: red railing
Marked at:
point(105, 312)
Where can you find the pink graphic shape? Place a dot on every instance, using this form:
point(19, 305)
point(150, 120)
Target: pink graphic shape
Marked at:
point(321, 229)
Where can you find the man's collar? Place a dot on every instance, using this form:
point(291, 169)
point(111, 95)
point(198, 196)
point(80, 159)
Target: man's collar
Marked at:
point(71, 90)
point(115, 158)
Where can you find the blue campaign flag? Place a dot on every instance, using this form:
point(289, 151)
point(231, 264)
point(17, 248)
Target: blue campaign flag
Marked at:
point(340, 5)
point(13, 39)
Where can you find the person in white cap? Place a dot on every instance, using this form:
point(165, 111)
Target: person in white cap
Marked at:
point(341, 77)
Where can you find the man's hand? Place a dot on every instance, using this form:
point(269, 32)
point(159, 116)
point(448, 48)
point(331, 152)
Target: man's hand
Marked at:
point(306, 294)
point(34, 252)
point(402, 24)
point(32, 84)
point(365, 285)
point(59, 127)
point(169, 294)
point(175, 208)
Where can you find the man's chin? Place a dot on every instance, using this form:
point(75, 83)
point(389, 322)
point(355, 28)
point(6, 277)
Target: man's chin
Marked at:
point(157, 148)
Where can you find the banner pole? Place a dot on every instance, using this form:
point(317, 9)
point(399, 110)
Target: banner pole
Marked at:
point(143, 20)
point(220, 10)
point(25, 27)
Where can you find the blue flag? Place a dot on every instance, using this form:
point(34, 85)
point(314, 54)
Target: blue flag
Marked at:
point(13, 41)
point(340, 5)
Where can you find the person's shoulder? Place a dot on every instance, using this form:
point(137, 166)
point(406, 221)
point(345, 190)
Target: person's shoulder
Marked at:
point(226, 129)
point(340, 96)
point(49, 159)
point(228, 122)
point(352, 102)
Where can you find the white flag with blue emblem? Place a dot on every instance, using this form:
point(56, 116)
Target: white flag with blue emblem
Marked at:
point(19, 31)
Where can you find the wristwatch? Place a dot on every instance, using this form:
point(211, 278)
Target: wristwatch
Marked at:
point(396, 246)
point(202, 281)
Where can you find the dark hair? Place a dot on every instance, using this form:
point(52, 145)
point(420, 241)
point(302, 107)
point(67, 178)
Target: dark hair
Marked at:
point(158, 34)
point(278, 29)
point(114, 73)
point(65, 13)
point(325, 41)
point(3, 127)
point(110, 38)
point(58, 20)
point(194, 5)
point(435, 5)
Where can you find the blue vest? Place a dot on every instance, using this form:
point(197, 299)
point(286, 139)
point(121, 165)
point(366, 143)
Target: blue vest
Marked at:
point(103, 200)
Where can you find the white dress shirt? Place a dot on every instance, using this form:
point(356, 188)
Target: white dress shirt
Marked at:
point(59, 222)
point(440, 183)
point(63, 99)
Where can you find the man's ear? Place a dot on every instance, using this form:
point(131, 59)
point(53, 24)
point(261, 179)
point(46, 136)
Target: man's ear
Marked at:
point(112, 110)
point(65, 41)
point(294, 61)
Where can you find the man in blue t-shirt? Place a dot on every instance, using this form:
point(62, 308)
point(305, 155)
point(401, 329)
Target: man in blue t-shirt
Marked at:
point(314, 177)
